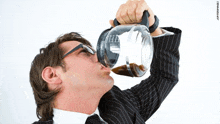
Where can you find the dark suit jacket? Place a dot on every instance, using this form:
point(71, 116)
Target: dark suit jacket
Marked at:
point(139, 103)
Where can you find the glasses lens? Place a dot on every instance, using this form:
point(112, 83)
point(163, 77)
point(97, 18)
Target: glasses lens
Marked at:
point(90, 50)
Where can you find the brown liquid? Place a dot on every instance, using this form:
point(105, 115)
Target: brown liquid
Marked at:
point(122, 70)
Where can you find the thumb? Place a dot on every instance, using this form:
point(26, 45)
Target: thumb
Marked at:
point(111, 23)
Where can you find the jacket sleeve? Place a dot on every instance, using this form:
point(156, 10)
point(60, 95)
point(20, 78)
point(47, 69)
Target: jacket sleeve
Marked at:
point(148, 95)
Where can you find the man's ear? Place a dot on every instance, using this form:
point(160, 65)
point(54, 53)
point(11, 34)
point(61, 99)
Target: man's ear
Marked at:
point(49, 74)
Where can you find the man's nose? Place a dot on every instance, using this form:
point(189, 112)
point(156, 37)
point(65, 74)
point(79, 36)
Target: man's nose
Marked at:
point(95, 58)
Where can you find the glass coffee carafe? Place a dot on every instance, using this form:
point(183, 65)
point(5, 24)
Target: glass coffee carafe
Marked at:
point(127, 49)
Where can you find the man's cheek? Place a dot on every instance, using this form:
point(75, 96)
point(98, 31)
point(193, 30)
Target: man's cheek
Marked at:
point(74, 78)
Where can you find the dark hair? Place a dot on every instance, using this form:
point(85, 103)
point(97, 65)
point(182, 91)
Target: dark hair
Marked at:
point(49, 56)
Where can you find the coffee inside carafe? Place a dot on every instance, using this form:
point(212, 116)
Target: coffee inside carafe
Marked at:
point(137, 70)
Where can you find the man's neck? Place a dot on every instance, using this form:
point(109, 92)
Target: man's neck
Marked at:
point(79, 102)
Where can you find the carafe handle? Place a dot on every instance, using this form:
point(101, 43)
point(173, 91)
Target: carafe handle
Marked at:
point(143, 22)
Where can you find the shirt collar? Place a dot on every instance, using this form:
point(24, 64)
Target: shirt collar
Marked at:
point(70, 117)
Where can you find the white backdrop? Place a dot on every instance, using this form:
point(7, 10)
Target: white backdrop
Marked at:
point(28, 25)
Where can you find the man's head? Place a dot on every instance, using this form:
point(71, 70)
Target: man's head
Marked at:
point(52, 73)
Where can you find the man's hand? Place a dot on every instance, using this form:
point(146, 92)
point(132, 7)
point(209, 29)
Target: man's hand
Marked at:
point(132, 11)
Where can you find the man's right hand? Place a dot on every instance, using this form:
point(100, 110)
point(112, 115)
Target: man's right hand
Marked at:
point(131, 13)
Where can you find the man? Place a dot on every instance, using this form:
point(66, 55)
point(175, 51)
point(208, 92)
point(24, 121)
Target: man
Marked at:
point(71, 86)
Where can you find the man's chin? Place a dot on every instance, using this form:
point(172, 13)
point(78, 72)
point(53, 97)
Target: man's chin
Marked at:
point(110, 84)
point(110, 80)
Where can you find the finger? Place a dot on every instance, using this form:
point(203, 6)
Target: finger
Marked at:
point(125, 17)
point(144, 7)
point(118, 15)
point(132, 12)
point(139, 11)
point(111, 23)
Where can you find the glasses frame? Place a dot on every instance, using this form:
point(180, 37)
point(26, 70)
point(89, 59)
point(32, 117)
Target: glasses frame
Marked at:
point(89, 49)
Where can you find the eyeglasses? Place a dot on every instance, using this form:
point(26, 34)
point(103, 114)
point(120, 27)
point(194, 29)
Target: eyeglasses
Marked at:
point(86, 48)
